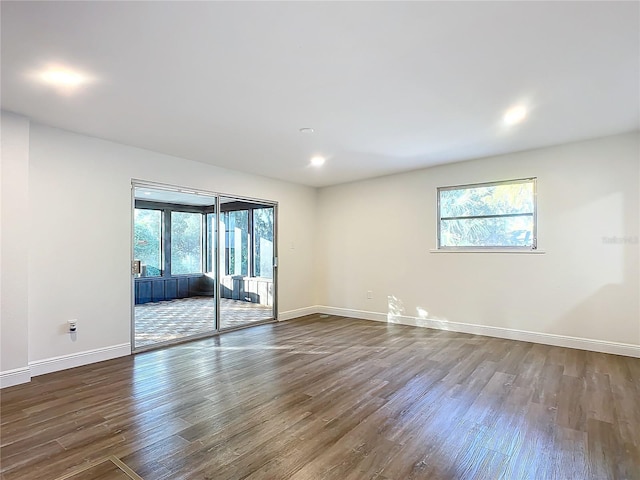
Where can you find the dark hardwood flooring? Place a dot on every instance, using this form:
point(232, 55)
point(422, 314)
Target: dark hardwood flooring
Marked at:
point(333, 398)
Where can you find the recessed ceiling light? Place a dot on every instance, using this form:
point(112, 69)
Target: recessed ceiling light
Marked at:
point(64, 80)
point(317, 161)
point(515, 115)
point(306, 130)
point(63, 77)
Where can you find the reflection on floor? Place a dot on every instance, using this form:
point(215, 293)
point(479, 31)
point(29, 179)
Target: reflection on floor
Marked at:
point(174, 319)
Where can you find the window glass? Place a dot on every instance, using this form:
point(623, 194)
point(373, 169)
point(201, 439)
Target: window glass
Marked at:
point(211, 224)
point(147, 243)
point(263, 242)
point(186, 243)
point(488, 215)
point(237, 242)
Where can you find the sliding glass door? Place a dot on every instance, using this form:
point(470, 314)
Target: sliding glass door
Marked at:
point(247, 258)
point(174, 266)
point(180, 241)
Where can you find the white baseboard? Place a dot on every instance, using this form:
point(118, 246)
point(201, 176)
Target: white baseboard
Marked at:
point(40, 367)
point(603, 346)
point(298, 312)
point(49, 365)
point(16, 376)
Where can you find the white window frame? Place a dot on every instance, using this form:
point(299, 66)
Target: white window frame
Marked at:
point(534, 240)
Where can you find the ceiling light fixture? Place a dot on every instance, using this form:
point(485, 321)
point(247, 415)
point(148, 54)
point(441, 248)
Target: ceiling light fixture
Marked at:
point(63, 79)
point(306, 130)
point(317, 161)
point(515, 115)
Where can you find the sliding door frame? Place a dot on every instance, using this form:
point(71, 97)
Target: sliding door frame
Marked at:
point(138, 183)
point(274, 205)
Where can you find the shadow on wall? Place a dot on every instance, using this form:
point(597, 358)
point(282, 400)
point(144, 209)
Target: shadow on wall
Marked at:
point(609, 249)
point(600, 308)
point(612, 309)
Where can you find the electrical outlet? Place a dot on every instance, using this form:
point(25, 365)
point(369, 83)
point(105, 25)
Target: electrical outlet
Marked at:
point(369, 294)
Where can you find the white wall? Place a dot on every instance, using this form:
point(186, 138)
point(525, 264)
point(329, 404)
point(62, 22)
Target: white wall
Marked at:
point(77, 241)
point(377, 235)
point(14, 234)
point(66, 216)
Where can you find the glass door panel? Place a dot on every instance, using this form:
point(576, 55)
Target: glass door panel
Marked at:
point(174, 243)
point(247, 254)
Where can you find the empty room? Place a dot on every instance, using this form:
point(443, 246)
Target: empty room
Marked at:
point(319, 240)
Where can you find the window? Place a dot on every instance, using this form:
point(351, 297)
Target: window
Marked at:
point(147, 244)
point(177, 239)
point(488, 215)
point(211, 244)
point(186, 243)
point(248, 240)
point(263, 242)
point(236, 242)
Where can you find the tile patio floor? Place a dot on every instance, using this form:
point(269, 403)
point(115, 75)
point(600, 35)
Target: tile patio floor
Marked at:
point(175, 319)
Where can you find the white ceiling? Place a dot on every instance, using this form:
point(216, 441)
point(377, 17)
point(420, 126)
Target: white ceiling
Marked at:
point(387, 86)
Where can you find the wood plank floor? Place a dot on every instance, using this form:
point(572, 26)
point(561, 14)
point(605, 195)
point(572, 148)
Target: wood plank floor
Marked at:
point(333, 398)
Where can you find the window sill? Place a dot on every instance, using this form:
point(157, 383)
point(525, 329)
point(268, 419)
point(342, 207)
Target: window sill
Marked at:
point(492, 250)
